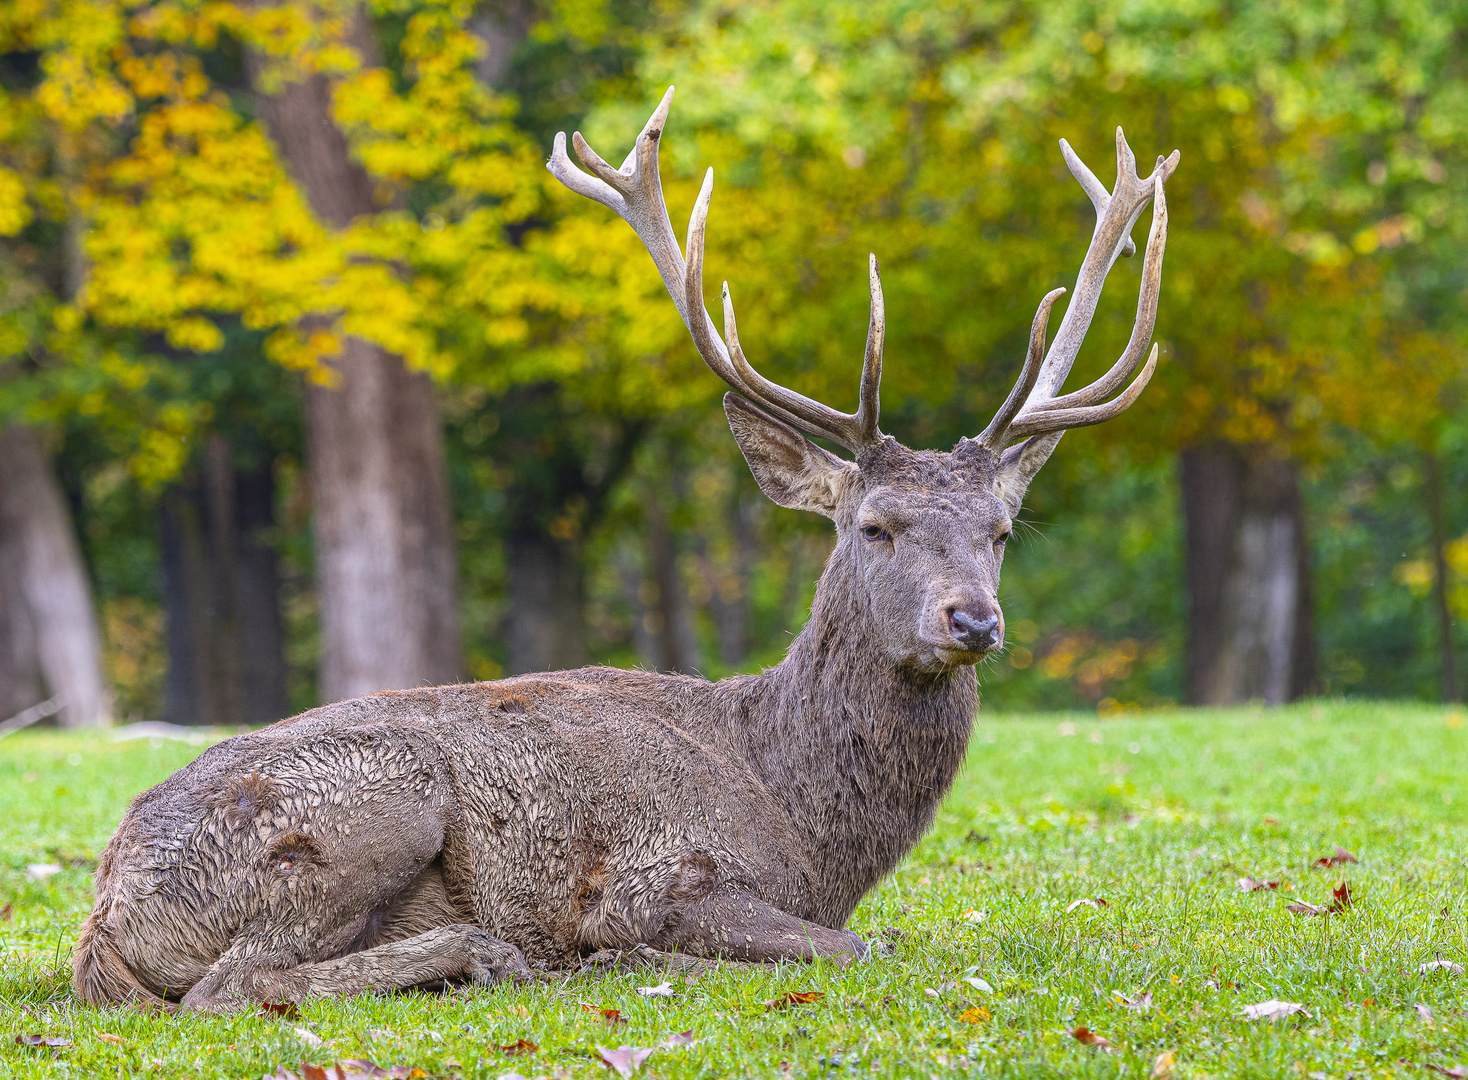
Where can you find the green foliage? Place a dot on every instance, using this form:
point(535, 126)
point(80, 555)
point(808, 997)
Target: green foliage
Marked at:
point(1158, 815)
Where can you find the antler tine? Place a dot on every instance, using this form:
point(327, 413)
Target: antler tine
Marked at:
point(635, 193)
point(1144, 324)
point(869, 404)
point(1100, 197)
point(726, 358)
point(1044, 422)
point(993, 436)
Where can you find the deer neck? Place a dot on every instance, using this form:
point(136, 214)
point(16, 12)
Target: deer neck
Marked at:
point(860, 750)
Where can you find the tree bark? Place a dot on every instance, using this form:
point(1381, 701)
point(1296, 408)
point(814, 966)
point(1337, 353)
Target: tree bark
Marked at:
point(221, 593)
point(1249, 611)
point(49, 641)
point(385, 560)
point(1433, 475)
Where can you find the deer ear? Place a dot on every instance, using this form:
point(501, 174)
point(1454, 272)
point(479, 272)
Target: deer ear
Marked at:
point(789, 468)
point(1018, 466)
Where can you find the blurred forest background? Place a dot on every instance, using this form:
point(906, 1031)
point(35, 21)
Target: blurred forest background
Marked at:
point(313, 381)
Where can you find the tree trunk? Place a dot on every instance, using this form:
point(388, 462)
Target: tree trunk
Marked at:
point(1433, 474)
point(1249, 613)
point(667, 610)
point(385, 560)
point(547, 618)
point(221, 593)
point(257, 570)
point(49, 642)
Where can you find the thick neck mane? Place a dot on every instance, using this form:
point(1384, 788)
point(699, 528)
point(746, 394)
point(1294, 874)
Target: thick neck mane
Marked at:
point(861, 752)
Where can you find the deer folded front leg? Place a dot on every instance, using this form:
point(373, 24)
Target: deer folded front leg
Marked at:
point(448, 952)
point(736, 924)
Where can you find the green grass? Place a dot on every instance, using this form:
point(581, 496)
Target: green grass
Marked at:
point(1158, 815)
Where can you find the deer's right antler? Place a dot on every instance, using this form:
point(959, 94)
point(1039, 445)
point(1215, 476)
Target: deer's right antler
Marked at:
point(1032, 408)
point(635, 192)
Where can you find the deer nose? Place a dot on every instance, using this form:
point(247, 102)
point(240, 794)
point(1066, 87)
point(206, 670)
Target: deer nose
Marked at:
point(973, 632)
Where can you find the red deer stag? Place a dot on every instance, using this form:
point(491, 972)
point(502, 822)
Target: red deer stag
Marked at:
point(475, 831)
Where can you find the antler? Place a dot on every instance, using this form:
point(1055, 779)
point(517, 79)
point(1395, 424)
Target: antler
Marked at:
point(1042, 412)
point(635, 192)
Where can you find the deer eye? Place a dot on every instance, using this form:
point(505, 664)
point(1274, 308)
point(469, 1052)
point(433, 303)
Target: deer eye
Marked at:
point(1000, 541)
point(874, 532)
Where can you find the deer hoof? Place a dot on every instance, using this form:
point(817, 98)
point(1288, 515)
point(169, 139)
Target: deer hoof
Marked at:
point(492, 960)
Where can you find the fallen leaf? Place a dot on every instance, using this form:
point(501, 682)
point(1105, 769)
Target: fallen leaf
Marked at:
point(7, 912)
point(1440, 965)
point(611, 1016)
point(520, 1046)
point(108, 1037)
point(625, 1059)
point(313, 1072)
point(681, 1038)
point(1087, 1037)
point(1162, 1067)
point(974, 1015)
point(1302, 908)
point(1340, 858)
point(1457, 1072)
point(794, 997)
point(55, 1042)
point(975, 916)
point(40, 871)
point(287, 1010)
point(663, 989)
point(310, 1038)
point(1423, 1013)
point(1340, 898)
point(1141, 1003)
point(1085, 901)
point(981, 985)
point(1248, 884)
point(1273, 1010)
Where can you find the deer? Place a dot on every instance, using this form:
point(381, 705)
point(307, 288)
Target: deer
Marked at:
point(505, 829)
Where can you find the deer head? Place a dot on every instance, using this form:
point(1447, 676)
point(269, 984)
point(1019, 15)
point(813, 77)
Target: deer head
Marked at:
point(921, 532)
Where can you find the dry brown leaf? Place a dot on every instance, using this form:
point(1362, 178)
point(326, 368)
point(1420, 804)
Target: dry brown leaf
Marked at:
point(678, 1039)
point(108, 1037)
point(1087, 1037)
point(288, 1010)
point(1423, 1013)
point(53, 1042)
point(1457, 1072)
point(1162, 1067)
point(1302, 908)
point(626, 1060)
point(520, 1046)
point(611, 1016)
point(1085, 901)
point(1248, 884)
point(974, 1014)
point(1340, 898)
point(1340, 858)
point(7, 912)
point(794, 997)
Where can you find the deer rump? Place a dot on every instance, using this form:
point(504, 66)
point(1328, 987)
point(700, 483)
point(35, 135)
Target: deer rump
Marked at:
point(469, 832)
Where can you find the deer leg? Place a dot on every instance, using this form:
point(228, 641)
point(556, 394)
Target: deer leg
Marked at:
point(448, 952)
point(736, 924)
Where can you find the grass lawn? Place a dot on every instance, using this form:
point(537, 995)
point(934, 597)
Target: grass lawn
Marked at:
point(993, 965)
